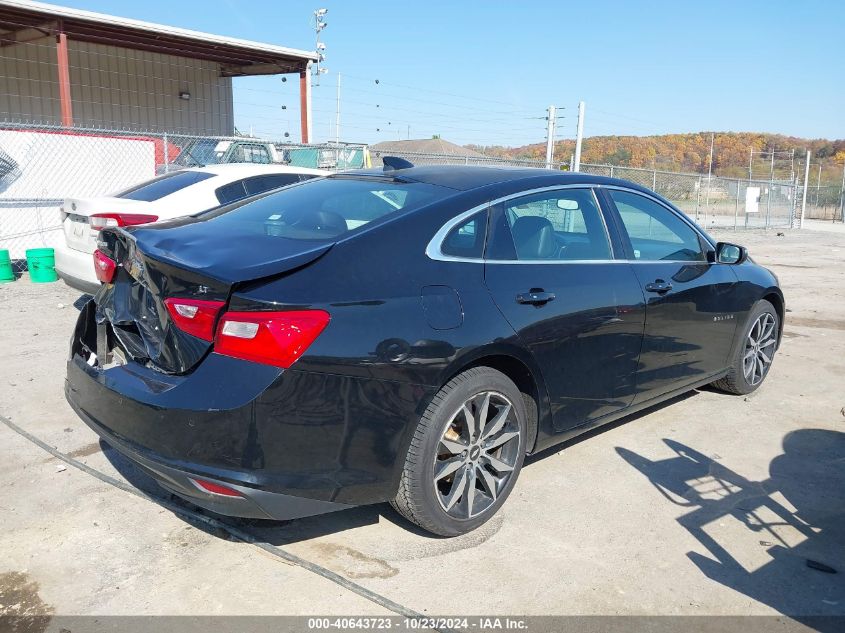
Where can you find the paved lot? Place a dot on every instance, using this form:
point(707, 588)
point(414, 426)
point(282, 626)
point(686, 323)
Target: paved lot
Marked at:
point(710, 505)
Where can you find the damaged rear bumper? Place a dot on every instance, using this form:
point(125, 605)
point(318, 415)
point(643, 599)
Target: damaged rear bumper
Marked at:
point(292, 443)
point(89, 397)
point(252, 503)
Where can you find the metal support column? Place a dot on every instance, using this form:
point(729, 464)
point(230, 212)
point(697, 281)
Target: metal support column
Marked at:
point(63, 69)
point(305, 104)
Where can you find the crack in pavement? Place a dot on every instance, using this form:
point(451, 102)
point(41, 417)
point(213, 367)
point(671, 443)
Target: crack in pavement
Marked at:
point(236, 533)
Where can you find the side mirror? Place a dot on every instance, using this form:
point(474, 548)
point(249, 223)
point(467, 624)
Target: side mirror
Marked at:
point(727, 253)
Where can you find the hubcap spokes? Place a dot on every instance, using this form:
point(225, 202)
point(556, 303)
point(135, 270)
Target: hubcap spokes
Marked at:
point(476, 455)
point(759, 349)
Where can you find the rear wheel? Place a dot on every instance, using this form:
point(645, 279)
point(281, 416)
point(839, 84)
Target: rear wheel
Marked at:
point(754, 352)
point(465, 455)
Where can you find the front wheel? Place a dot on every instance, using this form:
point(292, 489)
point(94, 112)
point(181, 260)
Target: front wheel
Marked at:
point(754, 352)
point(465, 455)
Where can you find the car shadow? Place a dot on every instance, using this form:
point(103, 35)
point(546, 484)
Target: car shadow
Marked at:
point(796, 516)
point(307, 528)
point(604, 428)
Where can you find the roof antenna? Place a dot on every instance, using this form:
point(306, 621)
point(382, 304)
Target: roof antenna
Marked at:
point(392, 163)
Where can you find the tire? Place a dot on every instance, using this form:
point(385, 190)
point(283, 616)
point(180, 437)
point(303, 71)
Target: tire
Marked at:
point(478, 479)
point(738, 381)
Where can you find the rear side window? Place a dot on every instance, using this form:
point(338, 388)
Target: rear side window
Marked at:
point(260, 184)
point(467, 239)
point(163, 185)
point(240, 189)
point(231, 192)
point(328, 208)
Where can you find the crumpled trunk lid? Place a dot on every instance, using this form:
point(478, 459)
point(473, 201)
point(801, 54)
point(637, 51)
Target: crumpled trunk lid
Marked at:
point(154, 264)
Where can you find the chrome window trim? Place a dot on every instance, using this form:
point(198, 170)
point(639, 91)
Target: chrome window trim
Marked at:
point(433, 249)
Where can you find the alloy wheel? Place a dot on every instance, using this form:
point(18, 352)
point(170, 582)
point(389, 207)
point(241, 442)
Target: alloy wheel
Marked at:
point(759, 349)
point(476, 455)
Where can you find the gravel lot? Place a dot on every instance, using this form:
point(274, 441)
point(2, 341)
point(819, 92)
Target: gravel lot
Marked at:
point(712, 504)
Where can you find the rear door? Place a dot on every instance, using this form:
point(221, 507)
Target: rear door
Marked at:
point(690, 311)
point(551, 270)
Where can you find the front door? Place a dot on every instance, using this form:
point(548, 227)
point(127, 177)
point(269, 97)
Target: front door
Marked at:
point(690, 322)
point(551, 271)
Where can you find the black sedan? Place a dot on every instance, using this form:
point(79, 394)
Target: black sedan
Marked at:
point(405, 335)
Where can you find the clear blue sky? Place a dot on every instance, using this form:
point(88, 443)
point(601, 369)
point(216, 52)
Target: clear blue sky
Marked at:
point(484, 72)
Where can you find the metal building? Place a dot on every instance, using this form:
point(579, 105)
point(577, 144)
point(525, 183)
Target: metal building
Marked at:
point(69, 67)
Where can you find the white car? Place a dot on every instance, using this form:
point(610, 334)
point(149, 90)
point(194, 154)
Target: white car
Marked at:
point(165, 197)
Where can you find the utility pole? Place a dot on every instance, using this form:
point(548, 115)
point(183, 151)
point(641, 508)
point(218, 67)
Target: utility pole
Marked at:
point(772, 174)
point(337, 114)
point(550, 137)
point(819, 183)
point(709, 173)
point(750, 162)
point(579, 137)
point(842, 196)
point(771, 190)
point(804, 197)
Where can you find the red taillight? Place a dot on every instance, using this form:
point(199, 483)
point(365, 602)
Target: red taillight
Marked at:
point(104, 266)
point(217, 489)
point(271, 338)
point(106, 220)
point(194, 316)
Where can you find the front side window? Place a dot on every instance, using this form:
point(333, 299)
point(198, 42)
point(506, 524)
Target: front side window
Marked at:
point(562, 225)
point(655, 232)
point(163, 185)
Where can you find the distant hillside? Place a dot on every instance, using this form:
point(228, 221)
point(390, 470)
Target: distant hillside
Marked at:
point(689, 152)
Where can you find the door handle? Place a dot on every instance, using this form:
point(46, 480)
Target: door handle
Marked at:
point(659, 286)
point(535, 296)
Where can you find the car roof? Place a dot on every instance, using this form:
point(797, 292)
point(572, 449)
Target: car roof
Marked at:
point(467, 177)
point(242, 170)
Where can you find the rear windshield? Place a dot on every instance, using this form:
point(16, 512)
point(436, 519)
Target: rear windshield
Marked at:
point(199, 153)
point(328, 208)
point(164, 185)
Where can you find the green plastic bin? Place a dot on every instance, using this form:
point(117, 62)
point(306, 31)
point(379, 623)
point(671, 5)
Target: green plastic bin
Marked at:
point(41, 263)
point(6, 272)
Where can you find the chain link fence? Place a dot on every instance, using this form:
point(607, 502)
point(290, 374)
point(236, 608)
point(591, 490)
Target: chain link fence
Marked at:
point(713, 202)
point(824, 203)
point(716, 202)
point(42, 165)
